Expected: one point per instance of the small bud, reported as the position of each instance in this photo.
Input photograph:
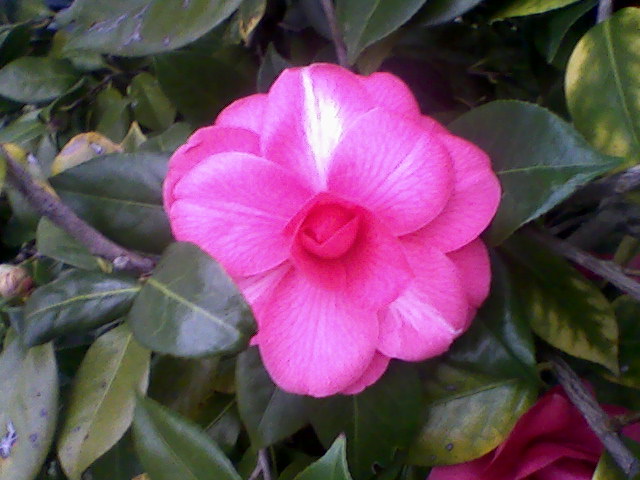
(14, 281)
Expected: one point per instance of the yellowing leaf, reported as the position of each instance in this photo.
(81, 148)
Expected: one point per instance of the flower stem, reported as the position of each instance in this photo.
(50, 206)
(338, 42)
(601, 424)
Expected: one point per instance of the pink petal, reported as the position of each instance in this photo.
(202, 144)
(539, 457)
(312, 341)
(433, 126)
(235, 207)
(430, 313)
(565, 469)
(474, 201)
(392, 94)
(473, 470)
(371, 274)
(472, 262)
(390, 166)
(247, 112)
(308, 111)
(372, 374)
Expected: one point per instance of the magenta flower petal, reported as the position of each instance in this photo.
(392, 94)
(235, 207)
(430, 313)
(309, 110)
(371, 375)
(201, 145)
(313, 341)
(474, 267)
(390, 166)
(474, 201)
(247, 113)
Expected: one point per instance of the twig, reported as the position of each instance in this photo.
(608, 270)
(621, 421)
(597, 419)
(51, 207)
(605, 9)
(262, 467)
(336, 35)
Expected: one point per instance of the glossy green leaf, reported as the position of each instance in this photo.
(141, 27)
(133, 139)
(100, 410)
(521, 8)
(364, 22)
(78, 300)
(200, 84)
(190, 307)
(372, 422)
(436, 12)
(332, 465)
(55, 243)
(249, 15)
(110, 114)
(23, 129)
(628, 312)
(170, 447)
(151, 108)
(269, 413)
(480, 388)
(529, 145)
(36, 79)
(602, 85)
(272, 65)
(28, 405)
(120, 195)
(565, 309)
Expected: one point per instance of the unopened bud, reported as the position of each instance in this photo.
(14, 281)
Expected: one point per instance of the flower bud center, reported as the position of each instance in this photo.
(329, 230)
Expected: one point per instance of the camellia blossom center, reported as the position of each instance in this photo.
(329, 230)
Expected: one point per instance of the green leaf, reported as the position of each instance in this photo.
(110, 115)
(121, 195)
(133, 139)
(100, 410)
(151, 108)
(29, 404)
(566, 309)
(121, 462)
(170, 447)
(53, 242)
(364, 22)
(603, 86)
(272, 65)
(190, 307)
(133, 28)
(552, 30)
(436, 12)
(627, 312)
(36, 79)
(249, 15)
(269, 413)
(3, 172)
(480, 388)
(521, 8)
(14, 42)
(169, 140)
(23, 130)
(529, 145)
(332, 465)
(377, 422)
(78, 300)
(200, 85)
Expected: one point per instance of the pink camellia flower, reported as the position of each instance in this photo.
(349, 220)
(552, 441)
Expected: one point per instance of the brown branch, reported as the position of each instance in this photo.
(262, 467)
(50, 206)
(610, 271)
(336, 35)
(598, 420)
